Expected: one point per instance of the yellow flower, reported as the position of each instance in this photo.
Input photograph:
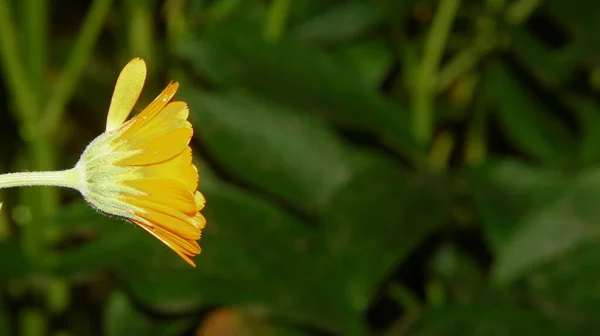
(142, 169)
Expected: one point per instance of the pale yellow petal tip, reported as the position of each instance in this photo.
(127, 90)
(0, 206)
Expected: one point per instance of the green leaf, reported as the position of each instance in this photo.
(371, 60)
(376, 220)
(107, 241)
(566, 289)
(505, 192)
(550, 67)
(80, 217)
(299, 76)
(119, 246)
(489, 318)
(579, 23)
(553, 229)
(341, 23)
(462, 278)
(287, 154)
(122, 318)
(524, 120)
(588, 113)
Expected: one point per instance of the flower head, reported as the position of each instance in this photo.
(142, 169)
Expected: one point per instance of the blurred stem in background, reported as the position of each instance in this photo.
(140, 29)
(27, 102)
(486, 40)
(220, 11)
(521, 10)
(475, 146)
(276, 21)
(17, 83)
(35, 22)
(175, 21)
(39, 126)
(80, 55)
(175, 28)
(441, 151)
(410, 303)
(430, 79)
(4, 226)
(425, 86)
(25, 66)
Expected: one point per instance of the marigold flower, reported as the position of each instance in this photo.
(142, 169)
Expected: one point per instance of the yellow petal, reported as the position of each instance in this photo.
(158, 147)
(127, 90)
(199, 221)
(175, 109)
(165, 191)
(179, 168)
(200, 200)
(169, 219)
(153, 109)
(183, 247)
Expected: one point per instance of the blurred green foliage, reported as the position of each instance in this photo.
(371, 167)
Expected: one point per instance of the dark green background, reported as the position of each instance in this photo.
(371, 167)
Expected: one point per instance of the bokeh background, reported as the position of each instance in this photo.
(371, 167)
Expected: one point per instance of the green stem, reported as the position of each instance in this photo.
(411, 305)
(67, 81)
(140, 29)
(441, 152)
(277, 18)
(27, 102)
(42, 157)
(402, 326)
(521, 10)
(175, 21)
(435, 293)
(495, 5)
(404, 297)
(16, 78)
(4, 226)
(425, 86)
(220, 11)
(33, 322)
(462, 63)
(36, 29)
(475, 145)
(65, 178)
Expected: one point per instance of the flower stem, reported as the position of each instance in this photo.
(64, 178)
